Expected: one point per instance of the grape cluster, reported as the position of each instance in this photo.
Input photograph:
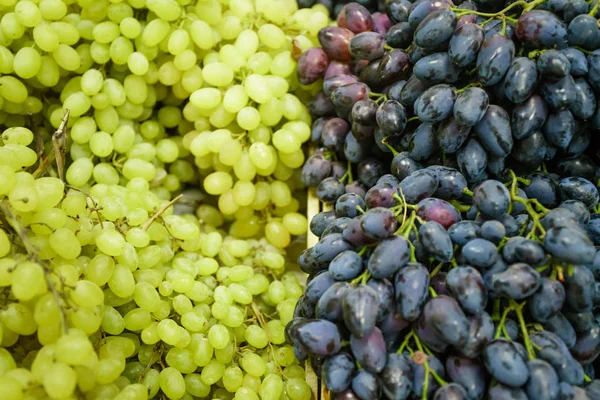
(98, 304)
(177, 93)
(426, 289)
(481, 87)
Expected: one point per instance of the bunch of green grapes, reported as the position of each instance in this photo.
(177, 93)
(111, 295)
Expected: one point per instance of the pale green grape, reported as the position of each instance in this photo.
(27, 62)
(59, 380)
(201, 35)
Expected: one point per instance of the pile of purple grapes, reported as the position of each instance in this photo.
(457, 147)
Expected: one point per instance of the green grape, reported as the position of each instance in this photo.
(297, 389)
(233, 378)
(252, 382)
(253, 364)
(59, 380)
(172, 383)
(212, 372)
(271, 387)
(28, 281)
(195, 387)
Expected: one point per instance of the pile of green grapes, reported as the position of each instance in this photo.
(148, 197)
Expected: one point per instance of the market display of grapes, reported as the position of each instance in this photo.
(155, 158)
(456, 146)
(150, 198)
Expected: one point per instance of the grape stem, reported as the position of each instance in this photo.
(470, 85)
(518, 309)
(21, 232)
(527, 7)
(467, 192)
(95, 205)
(386, 144)
(39, 140)
(59, 144)
(160, 211)
(159, 349)
(501, 327)
(432, 292)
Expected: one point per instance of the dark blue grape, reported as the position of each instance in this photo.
(553, 64)
(583, 31)
(427, 335)
(334, 82)
(346, 266)
(593, 389)
(505, 363)
(385, 296)
(579, 143)
(567, 392)
(435, 29)
(398, 10)
(319, 337)
(337, 372)
(480, 253)
(381, 195)
(517, 282)
(552, 349)
(494, 59)
(436, 103)
(561, 327)
(329, 190)
(577, 60)
(391, 117)
(412, 290)
(336, 226)
(463, 232)
(451, 182)
(530, 252)
(576, 188)
(469, 373)
(492, 198)
(436, 68)
(451, 391)
(354, 234)
(494, 131)
(394, 66)
(578, 208)
(580, 289)
(379, 223)
(328, 247)
(465, 44)
(451, 135)
(581, 322)
(397, 377)
(423, 143)
(547, 301)
(559, 128)
(569, 245)
(541, 29)
(366, 46)
(447, 320)
(354, 150)
(329, 306)
(494, 231)
(587, 346)
(573, 8)
(528, 117)
(360, 310)
(366, 385)
(436, 241)
(418, 186)
(412, 90)
(344, 97)
(320, 221)
(317, 286)
(559, 94)
(363, 112)
(470, 106)
(370, 351)
(348, 204)
(593, 76)
(399, 36)
(315, 169)
(420, 10)
(369, 170)
(466, 285)
(559, 217)
(403, 165)
(520, 79)
(388, 257)
(472, 160)
(394, 90)
(543, 381)
(530, 150)
(502, 392)
(543, 188)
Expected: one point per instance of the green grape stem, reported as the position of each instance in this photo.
(21, 232)
(386, 144)
(159, 212)
(470, 85)
(59, 144)
(518, 309)
(467, 191)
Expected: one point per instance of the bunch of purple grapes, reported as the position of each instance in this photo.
(425, 289)
(481, 87)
